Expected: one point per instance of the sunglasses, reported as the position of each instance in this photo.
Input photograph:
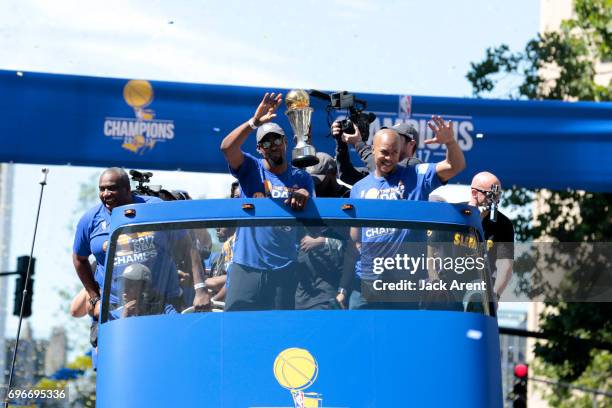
(266, 144)
(488, 193)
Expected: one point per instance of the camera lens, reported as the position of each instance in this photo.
(347, 127)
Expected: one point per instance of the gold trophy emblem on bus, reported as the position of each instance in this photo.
(296, 369)
(299, 114)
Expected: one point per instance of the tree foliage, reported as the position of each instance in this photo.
(561, 65)
(554, 65)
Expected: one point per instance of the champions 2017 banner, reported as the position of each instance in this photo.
(134, 123)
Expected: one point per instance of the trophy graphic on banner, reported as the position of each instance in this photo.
(299, 114)
(296, 369)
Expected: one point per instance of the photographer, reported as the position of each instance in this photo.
(409, 140)
(499, 232)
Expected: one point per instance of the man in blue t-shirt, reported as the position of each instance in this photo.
(391, 181)
(262, 273)
(151, 249)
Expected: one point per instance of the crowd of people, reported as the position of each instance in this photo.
(263, 268)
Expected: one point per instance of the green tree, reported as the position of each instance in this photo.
(561, 65)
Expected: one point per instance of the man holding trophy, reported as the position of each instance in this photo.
(262, 274)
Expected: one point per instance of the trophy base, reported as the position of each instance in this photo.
(304, 156)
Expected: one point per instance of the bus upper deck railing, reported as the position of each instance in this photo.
(380, 255)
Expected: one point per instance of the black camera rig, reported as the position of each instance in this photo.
(142, 178)
(356, 107)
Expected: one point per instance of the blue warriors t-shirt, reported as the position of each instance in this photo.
(92, 237)
(405, 183)
(268, 247)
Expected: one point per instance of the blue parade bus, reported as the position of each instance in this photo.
(429, 337)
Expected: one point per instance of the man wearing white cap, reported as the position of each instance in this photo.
(262, 275)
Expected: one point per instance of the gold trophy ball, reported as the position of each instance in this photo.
(295, 369)
(297, 98)
(138, 93)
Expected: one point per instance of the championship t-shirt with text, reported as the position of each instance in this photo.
(379, 243)
(268, 247)
(151, 249)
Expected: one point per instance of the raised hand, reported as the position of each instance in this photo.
(267, 107)
(443, 131)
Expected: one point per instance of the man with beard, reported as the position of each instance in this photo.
(262, 274)
(499, 234)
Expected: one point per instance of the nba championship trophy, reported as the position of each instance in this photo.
(299, 113)
(296, 369)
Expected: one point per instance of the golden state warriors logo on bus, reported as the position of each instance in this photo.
(142, 132)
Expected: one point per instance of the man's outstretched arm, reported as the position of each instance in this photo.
(231, 146)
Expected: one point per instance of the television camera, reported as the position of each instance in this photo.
(356, 111)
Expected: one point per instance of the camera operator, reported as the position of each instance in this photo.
(499, 232)
(409, 140)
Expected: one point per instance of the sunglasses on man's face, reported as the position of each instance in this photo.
(266, 144)
(488, 193)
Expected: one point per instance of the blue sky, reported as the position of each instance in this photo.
(397, 47)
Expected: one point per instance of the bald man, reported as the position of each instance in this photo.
(391, 181)
(499, 234)
(409, 141)
(92, 237)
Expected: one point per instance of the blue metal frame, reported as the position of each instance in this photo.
(364, 358)
(422, 213)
